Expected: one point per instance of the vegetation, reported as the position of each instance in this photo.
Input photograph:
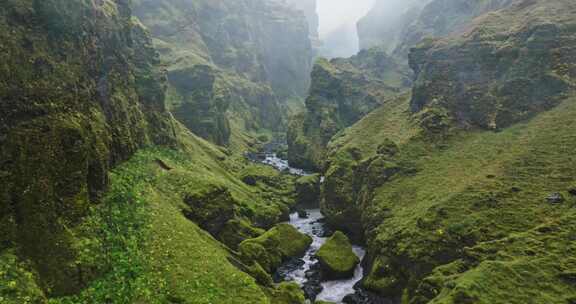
(274, 247)
(336, 257)
(341, 93)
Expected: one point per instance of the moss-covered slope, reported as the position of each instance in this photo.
(468, 215)
(143, 238)
(230, 62)
(79, 92)
(507, 66)
(82, 91)
(342, 92)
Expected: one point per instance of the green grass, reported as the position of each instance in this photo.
(147, 251)
(471, 189)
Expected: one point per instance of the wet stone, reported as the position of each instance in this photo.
(555, 198)
(282, 272)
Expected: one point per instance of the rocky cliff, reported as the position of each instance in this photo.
(342, 92)
(400, 25)
(80, 92)
(309, 7)
(385, 23)
(230, 61)
(505, 67)
(452, 211)
(105, 198)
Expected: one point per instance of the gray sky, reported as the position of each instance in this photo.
(336, 13)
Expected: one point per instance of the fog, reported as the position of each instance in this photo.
(338, 25)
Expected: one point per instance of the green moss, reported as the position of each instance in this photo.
(275, 246)
(336, 257)
(288, 293)
(342, 92)
(67, 120)
(468, 189)
(18, 282)
(308, 190)
(158, 254)
(235, 231)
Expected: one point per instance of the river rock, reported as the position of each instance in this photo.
(313, 285)
(287, 268)
(336, 257)
(303, 214)
(555, 198)
(278, 244)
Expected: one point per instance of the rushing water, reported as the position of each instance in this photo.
(333, 291)
(272, 160)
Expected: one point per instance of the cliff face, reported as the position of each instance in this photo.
(401, 25)
(451, 210)
(309, 7)
(79, 92)
(342, 92)
(238, 60)
(504, 68)
(385, 23)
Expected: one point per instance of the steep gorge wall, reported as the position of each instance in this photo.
(80, 91)
(451, 210)
(341, 93)
(230, 60)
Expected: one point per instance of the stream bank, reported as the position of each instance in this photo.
(306, 270)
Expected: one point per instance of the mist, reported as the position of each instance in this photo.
(338, 25)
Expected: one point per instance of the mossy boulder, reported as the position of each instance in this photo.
(211, 207)
(252, 175)
(287, 293)
(336, 257)
(237, 230)
(275, 246)
(308, 190)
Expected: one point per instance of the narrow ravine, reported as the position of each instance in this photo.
(332, 291)
(302, 270)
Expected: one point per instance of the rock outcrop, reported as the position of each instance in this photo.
(385, 23)
(336, 257)
(80, 91)
(230, 61)
(505, 67)
(342, 92)
(308, 191)
(275, 246)
(452, 211)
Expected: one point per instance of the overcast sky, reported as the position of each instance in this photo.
(335, 13)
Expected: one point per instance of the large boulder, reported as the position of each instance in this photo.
(308, 190)
(210, 207)
(288, 293)
(337, 258)
(275, 246)
(236, 230)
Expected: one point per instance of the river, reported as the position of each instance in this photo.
(313, 225)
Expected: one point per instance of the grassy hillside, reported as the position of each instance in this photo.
(463, 209)
(140, 247)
